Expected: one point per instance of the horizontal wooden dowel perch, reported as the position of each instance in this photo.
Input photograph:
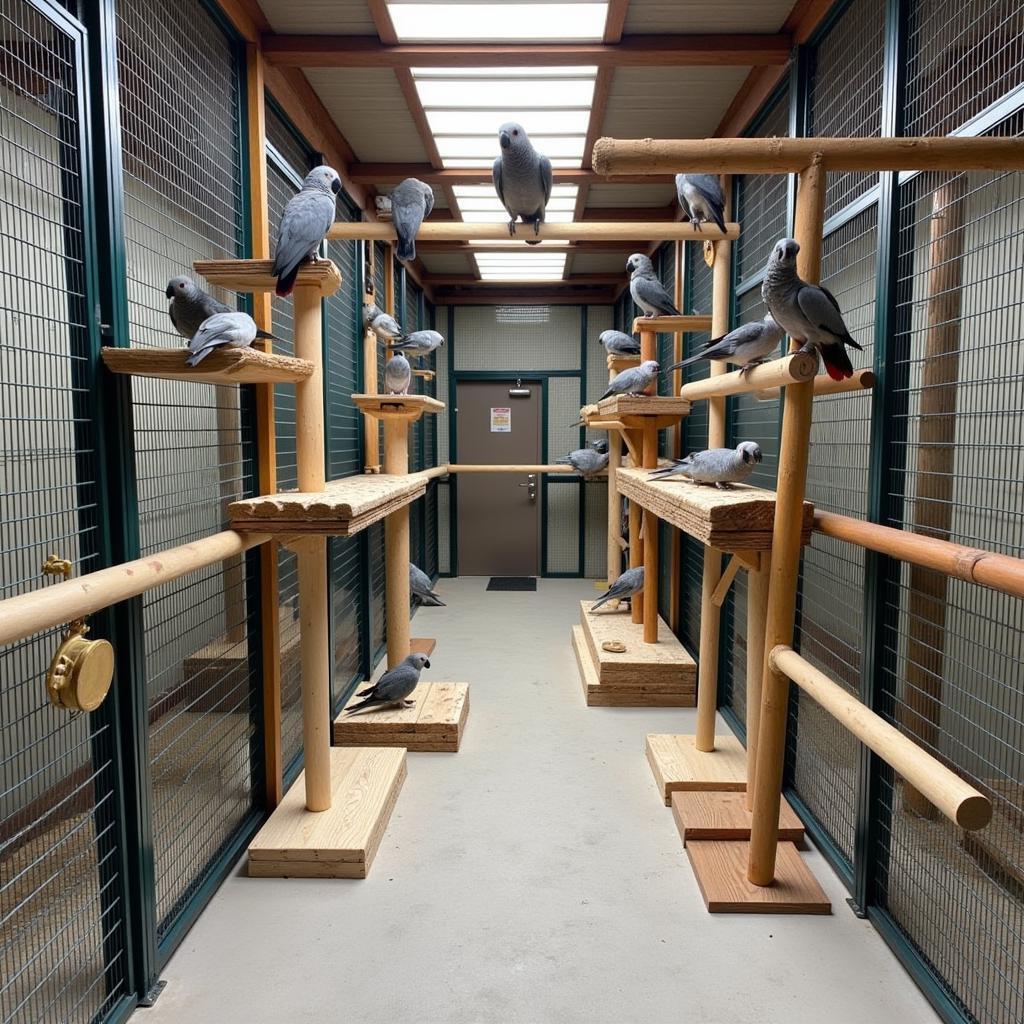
(63, 602)
(791, 369)
(784, 156)
(435, 471)
(955, 798)
(986, 568)
(466, 468)
(567, 231)
(862, 380)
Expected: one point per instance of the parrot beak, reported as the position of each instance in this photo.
(335, 186)
(757, 455)
(505, 139)
(170, 292)
(426, 664)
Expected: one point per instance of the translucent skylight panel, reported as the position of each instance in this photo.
(498, 22)
(495, 93)
(584, 71)
(485, 148)
(487, 191)
(476, 159)
(487, 122)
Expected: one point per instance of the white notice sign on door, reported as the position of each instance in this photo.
(501, 420)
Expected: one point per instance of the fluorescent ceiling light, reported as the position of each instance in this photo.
(483, 147)
(487, 122)
(495, 93)
(487, 191)
(498, 21)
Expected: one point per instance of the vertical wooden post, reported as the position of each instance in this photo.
(614, 552)
(710, 613)
(676, 443)
(649, 350)
(757, 613)
(266, 442)
(785, 568)
(371, 428)
(396, 545)
(312, 555)
(636, 557)
(933, 508)
(650, 597)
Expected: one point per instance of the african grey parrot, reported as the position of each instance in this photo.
(397, 375)
(646, 289)
(629, 583)
(419, 343)
(633, 381)
(617, 343)
(420, 590)
(807, 312)
(700, 196)
(718, 466)
(411, 202)
(522, 179)
(370, 313)
(386, 327)
(586, 461)
(600, 445)
(749, 345)
(190, 306)
(304, 223)
(234, 329)
(394, 687)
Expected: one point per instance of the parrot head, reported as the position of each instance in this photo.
(750, 452)
(639, 262)
(512, 136)
(785, 251)
(600, 446)
(649, 367)
(180, 287)
(419, 660)
(324, 179)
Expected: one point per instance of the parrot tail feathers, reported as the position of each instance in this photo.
(837, 362)
(197, 357)
(532, 241)
(286, 283)
(359, 707)
(406, 249)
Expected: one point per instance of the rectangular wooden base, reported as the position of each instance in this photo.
(633, 695)
(434, 723)
(678, 765)
(422, 644)
(340, 842)
(721, 872)
(703, 815)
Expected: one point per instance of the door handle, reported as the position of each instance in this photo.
(531, 484)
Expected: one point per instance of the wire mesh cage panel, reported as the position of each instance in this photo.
(193, 443)
(563, 528)
(347, 611)
(517, 337)
(378, 620)
(63, 953)
(595, 496)
(845, 92)
(563, 411)
(444, 557)
(344, 341)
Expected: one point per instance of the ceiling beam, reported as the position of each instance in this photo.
(637, 51)
(626, 245)
(615, 20)
(393, 173)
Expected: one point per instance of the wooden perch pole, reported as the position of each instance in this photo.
(794, 368)
(758, 581)
(650, 520)
(396, 544)
(932, 511)
(311, 555)
(710, 613)
(371, 428)
(614, 550)
(785, 568)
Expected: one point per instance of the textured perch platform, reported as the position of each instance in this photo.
(342, 841)
(739, 519)
(251, 276)
(691, 324)
(678, 766)
(434, 723)
(343, 509)
(409, 407)
(703, 814)
(224, 366)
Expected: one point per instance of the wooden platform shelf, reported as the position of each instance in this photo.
(693, 324)
(340, 842)
(702, 815)
(678, 765)
(224, 366)
(409, 407)
(645, 675)
(721, 871)
(739, 519)
(434, 723)
(251, 276)
(638, 410)
(343, 509)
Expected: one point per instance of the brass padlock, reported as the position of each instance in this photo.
(81, 672)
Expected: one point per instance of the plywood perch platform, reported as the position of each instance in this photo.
(342, 841)
(739, 519)
(252, 276)
(223, 366)
(678, 766)
(690, 324)
(620, 406)
(409, 407)
(343, 509)
(703, 814)
(435, 722)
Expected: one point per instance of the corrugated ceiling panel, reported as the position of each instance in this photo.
(629, 195)
(320, 17)
(445, 262)
(599, 263)
(649, 16)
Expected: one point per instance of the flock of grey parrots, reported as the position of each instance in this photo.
(523, 178)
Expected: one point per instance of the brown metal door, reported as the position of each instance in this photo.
(498, 513)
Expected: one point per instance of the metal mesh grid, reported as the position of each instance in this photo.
(595, 497)
(962, 57)
(444, 564)
(346, 614)
(563, 528)
(563, 410)
(59, 883)
(846, 91)
(517, 337)
(183, 201)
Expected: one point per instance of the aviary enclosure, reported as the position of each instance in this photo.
(118, 826)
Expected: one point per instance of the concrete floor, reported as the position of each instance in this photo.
(533, 877)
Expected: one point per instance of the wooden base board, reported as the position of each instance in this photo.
(340, 842)
(641, 664)
(422, 644)
(655, 695)
(703, 815)
(678, 765)
(721, 871)
(434, 723)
